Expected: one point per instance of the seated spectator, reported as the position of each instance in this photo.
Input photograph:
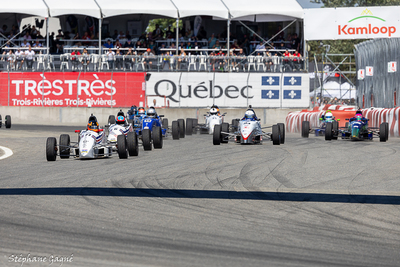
(128, 44)
(25, 43)
(27, 36)
(217, 45)
(75, 58)
(235, 45)
(157, 33)
(77, 37)
(110, 58)
(86, 37)
(121, 35)
(220, 61)
(297, 60)
(108, 44)
(37, 44)
(117, 44)
(3, 30)
(260, 47)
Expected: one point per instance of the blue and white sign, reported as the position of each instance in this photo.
(270, 80)
(270, 94)
(291, 94)
(292, 81)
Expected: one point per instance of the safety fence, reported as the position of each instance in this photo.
(378, 77)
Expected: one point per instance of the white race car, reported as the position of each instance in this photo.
(212, 118)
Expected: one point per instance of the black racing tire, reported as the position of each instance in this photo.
(329, 131)
(182, 129)
(165, 123)
(224, 128)
(64, 146)
(1, 122)
(217, 134)
(276, 137)
(382, 132)
(305, 129)
(8, 121)
(146, 139)
(387, 130)
(111, 119)
(282, 131)
(132, 144)
(346, 125)
(189, 126)
(335, 125)
(235, 123)
(175, 130)
(122, 147)
(51, 149)
(157, 138)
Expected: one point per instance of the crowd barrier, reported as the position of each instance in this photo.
(375, 115)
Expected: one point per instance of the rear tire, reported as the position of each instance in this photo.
(305, 129)
(111, 119)
(217, 134)
(157, 138)
(189, 126)
(276, 138)
(224, 128)
(387, 130)
(328, 131)
(64, 146)
(1, 122)
(8, 121)
(51, 149)
(346, 125)
(282, 131)
(182, 129)
(132, 143)
(335, 126)
(146, 138)
(175, 130)
(121, 145)
(382, 132)
(165, 124)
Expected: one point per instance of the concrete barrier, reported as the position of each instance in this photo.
(79, 116)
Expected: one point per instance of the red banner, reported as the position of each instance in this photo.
(72, 89)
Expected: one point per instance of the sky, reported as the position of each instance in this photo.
(308, 4)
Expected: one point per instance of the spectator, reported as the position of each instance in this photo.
(108, 44)
(20, 56)
(296, 42)
(25, 43)
(60, 35)
(268, 61)
(148, 57)
(297, 60)
(29, 54)
(260, 47)
(128, 44)
(75, 55)
(121, 35)
(169, 34)
(241, 60)
(86, 37)
(37, 44)
(129, 58)
(10, 58)
(157, 33)
(211, 41)
(217, 45)
(39, 36)
(117, 44)
(220, 62)
(110, 58)
(118, 60)
(182, 59)
(128, 36)
(27, 36)
(3, 30)
(34, 32)
(77, 37)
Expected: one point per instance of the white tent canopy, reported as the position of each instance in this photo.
(261, 10)
(30, 7)
(334, 89)
(124, 7)
(202, 8)
(76, 7)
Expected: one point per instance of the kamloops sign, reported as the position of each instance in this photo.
(351, 23)
(230, 89)
(71, 89)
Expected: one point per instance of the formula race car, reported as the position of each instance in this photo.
(249, 131)
(7, 122)
(213, 117)
(91, 144)
(321, 130)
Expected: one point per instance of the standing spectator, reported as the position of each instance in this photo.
(296, 42)
(85, 59)
(129, 59)
(29, 54)
(10, 59)
(77, 37)
(157, 33)
(181, 59)
(19, 58)
(118, 60)
(148, 56)
(86, 37)
(110, 58)
(211, 41)
(297, 60)
(241, 60)
(75, 55)
(34, 32)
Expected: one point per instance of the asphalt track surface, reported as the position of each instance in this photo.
(308, 202)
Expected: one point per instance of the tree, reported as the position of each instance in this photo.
(352, 3)
(164, 24)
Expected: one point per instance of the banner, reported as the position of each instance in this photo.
(262, 90)
(64, 89)
(351, 23)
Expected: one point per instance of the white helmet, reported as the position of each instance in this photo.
(151, 112)
(249, 114)
(328, 116)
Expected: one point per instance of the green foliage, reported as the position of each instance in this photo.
(352, 3)
(164, 24)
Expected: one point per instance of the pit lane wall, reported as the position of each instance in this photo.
(375, 115)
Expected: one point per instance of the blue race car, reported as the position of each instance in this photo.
(327, 120)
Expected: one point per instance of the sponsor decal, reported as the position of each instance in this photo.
(370, 28)
(392, 66)
(291, 94)
(361, 74)
(369, 71)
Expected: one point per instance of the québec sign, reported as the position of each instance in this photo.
(71, 89)
(352, 23)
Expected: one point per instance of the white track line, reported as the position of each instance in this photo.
(7, 152)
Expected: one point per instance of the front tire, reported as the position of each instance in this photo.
(224, 128)
(121, 144)
(181, 123)
(276, 138)
(328, 131)
(189, 126)
(282, 131)
(382, 132)
(335, 126)
(64, 146)
(217, 134)
(305, 129)
(165, 123)
(132, 143)
(175, 130)
(8, 121)
(51, 149)
(157, 138)
(111, 119)
(146, 138)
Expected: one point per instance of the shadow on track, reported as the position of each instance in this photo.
(203, 194)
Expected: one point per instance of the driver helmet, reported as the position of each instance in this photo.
(359, 112)
(141, 111)
(151, 112)
(249, 114)
(358, 117)
(93, 125)
(328, 116)
(214, 110)
(120, 118)
(133, 110)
